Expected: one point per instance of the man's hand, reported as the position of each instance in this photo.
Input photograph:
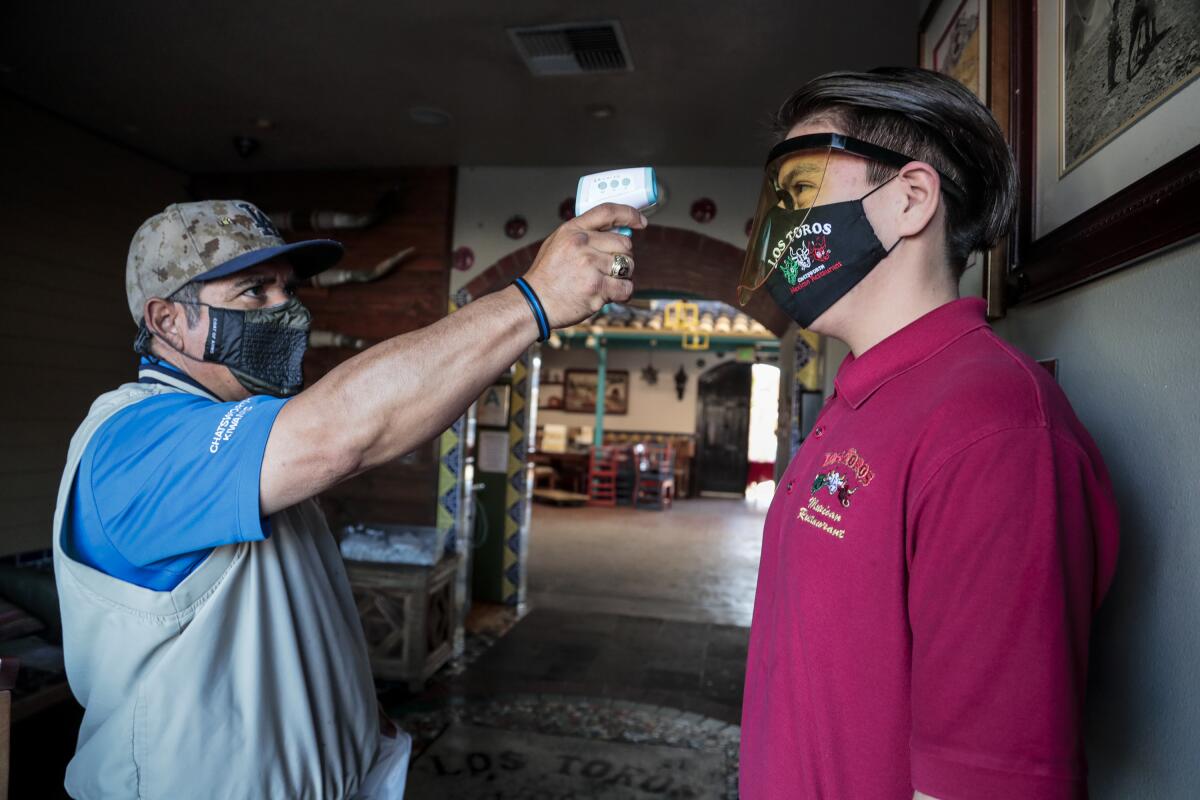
(571, 273)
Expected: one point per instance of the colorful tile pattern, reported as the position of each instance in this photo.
(517, 493)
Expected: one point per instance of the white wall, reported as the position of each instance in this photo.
(651, 408)
(69, 204)
(1129, 359)
(488, 196)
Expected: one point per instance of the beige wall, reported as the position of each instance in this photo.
(69, 204)
(488, 196)
(1129, 359)
(651, 408)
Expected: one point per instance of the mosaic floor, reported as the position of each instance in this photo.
(623, 681)
(552, 747)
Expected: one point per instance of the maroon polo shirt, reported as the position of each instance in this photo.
(930, 566)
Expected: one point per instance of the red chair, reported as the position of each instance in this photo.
(602, 476)
(655, 486)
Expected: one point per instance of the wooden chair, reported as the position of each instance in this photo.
(655, 487)
(602, 476)
(545, 477)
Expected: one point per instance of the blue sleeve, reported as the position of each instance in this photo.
(173, 475)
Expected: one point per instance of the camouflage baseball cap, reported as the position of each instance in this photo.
(210, 239)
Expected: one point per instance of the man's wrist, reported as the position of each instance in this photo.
(540, 318)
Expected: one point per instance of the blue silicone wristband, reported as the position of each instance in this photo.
(535, 305)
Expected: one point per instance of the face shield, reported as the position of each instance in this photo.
(782, 235)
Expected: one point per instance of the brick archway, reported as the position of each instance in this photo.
(668, 260)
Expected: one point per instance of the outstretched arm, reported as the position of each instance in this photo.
(388, 399)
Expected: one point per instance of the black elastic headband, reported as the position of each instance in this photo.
(848, 144)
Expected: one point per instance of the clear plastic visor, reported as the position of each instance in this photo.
(792, 186)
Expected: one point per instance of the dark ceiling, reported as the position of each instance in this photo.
(179, 81)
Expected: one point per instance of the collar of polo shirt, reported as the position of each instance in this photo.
(859, 378)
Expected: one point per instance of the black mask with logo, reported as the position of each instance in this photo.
(826, 251)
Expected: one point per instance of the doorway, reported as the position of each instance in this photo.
(723, 429)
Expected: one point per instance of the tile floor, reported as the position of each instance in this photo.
(623, 680)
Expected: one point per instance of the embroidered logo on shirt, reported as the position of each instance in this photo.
(853, 476)
(835, 483)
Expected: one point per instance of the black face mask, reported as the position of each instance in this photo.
(263, 348)
(826, 252)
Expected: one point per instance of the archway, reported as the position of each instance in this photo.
(672, 260)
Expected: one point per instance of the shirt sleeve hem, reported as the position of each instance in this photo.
(944, 778)
(252, 526)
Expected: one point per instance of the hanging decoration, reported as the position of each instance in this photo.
(704, 210)
(566, 209)
(516, 227)
(684, 316)
(680, 382)
(649, 373)
(463, 258)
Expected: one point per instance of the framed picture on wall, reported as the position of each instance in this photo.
(969, 41)
(954, 42)
(550, 396)
(491, 409)
(580, 395)
(1108, 113)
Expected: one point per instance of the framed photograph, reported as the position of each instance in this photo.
(1107, 106)
(550, 395)
(552, 375)
(581, 391)
(954, 42)
(969, 41)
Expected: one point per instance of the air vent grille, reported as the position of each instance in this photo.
(572, 49)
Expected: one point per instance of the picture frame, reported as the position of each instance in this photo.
(551, 396)
(580, 391)
(491, 409)
(954, 42)
(1096, 199)
(970, 40)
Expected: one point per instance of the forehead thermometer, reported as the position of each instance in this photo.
(635, 186)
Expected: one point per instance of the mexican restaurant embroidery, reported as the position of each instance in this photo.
(837, 483)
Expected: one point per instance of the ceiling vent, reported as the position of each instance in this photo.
(573, 49)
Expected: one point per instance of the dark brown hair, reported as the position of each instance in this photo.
(928, 117)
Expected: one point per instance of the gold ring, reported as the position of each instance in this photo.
(622, 266)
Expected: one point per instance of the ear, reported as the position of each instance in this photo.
(922, 197)
(164, 319)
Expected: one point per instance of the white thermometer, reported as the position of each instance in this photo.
(635, 186)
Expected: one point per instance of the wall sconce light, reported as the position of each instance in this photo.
(680, 382)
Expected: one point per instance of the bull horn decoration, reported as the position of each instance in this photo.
(336, 277)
